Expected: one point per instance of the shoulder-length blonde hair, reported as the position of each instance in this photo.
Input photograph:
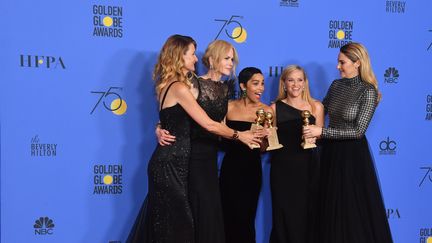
(282, 94)
(170, 61)
(217, 50)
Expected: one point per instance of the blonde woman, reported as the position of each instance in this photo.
(352, 209)
(294, 171)
(166, 214)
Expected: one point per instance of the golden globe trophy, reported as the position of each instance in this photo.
(259, 123)
(305, 144)
(273, 140)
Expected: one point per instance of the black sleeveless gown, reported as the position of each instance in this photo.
(294, 178)
(240, 184)
(204, 194)
(166, 216)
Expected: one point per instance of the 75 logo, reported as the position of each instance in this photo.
(427, 175)
(238, 33)
(117, 106)
(430, 45)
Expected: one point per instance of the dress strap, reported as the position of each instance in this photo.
(166, 91)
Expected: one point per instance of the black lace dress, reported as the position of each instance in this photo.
(294, 177)
(204, 192)
(240, 184)
(352, 208)
(166, 216)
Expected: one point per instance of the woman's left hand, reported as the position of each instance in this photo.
(312, 131)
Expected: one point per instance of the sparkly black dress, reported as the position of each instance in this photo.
(294, 176)
(166, 216)
(204, 192)
(351, 205)
(240, 184)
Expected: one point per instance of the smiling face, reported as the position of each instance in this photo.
(254, 87)
(346, 67)
(295, 84)
(189, 59)
(226, 63)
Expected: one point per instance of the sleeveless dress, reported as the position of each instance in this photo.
(240, 184)
(204, 194)
(166, 216)
(352, 209)
(294, 175)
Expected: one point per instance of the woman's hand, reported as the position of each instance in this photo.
(312, 131)
(164, 137)
(251, 137)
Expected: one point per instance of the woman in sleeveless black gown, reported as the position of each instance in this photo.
(352, 209)
(294, 173)
(166, 215)
(241, 175)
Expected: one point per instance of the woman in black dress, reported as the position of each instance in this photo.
(294, 171)
(212, 95)
(351, 205)
(240, 175)
(166, 215)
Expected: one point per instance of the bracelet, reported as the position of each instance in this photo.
(235, 135)
(158, 125)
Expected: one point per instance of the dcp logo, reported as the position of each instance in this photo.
(387, 147)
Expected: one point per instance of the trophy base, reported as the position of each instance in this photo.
(274, 147)
(308, 145)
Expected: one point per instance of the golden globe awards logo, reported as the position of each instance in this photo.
(38, 149)
(289, 3)
(425, 235)
(395, 7)
(107, 179)
(108, 21)
(428, 108)
(39, 61)
(340, 33)
(44, 226)
(232, 28)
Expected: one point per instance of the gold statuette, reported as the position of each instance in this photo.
(305, 144)
(272, 138)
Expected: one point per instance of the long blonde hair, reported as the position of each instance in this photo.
(217, 50)
(170, 61)
(357, 52)
(282, 94)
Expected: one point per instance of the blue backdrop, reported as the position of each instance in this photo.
(78, 106)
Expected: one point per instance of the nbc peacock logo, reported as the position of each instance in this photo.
(44, 226)
(391, 75)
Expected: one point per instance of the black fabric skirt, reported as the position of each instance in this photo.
(351, 205)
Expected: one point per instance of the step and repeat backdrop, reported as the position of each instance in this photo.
(78, 107)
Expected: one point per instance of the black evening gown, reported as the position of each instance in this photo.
(204, 194)
(294, 176)
(240, 184)
(166, 216)
(351, 205)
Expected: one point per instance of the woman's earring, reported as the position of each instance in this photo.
(284, 88)
(243, 93)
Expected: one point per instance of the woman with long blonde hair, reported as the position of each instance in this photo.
(352, 208)
(166, 214)
(294, 170)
